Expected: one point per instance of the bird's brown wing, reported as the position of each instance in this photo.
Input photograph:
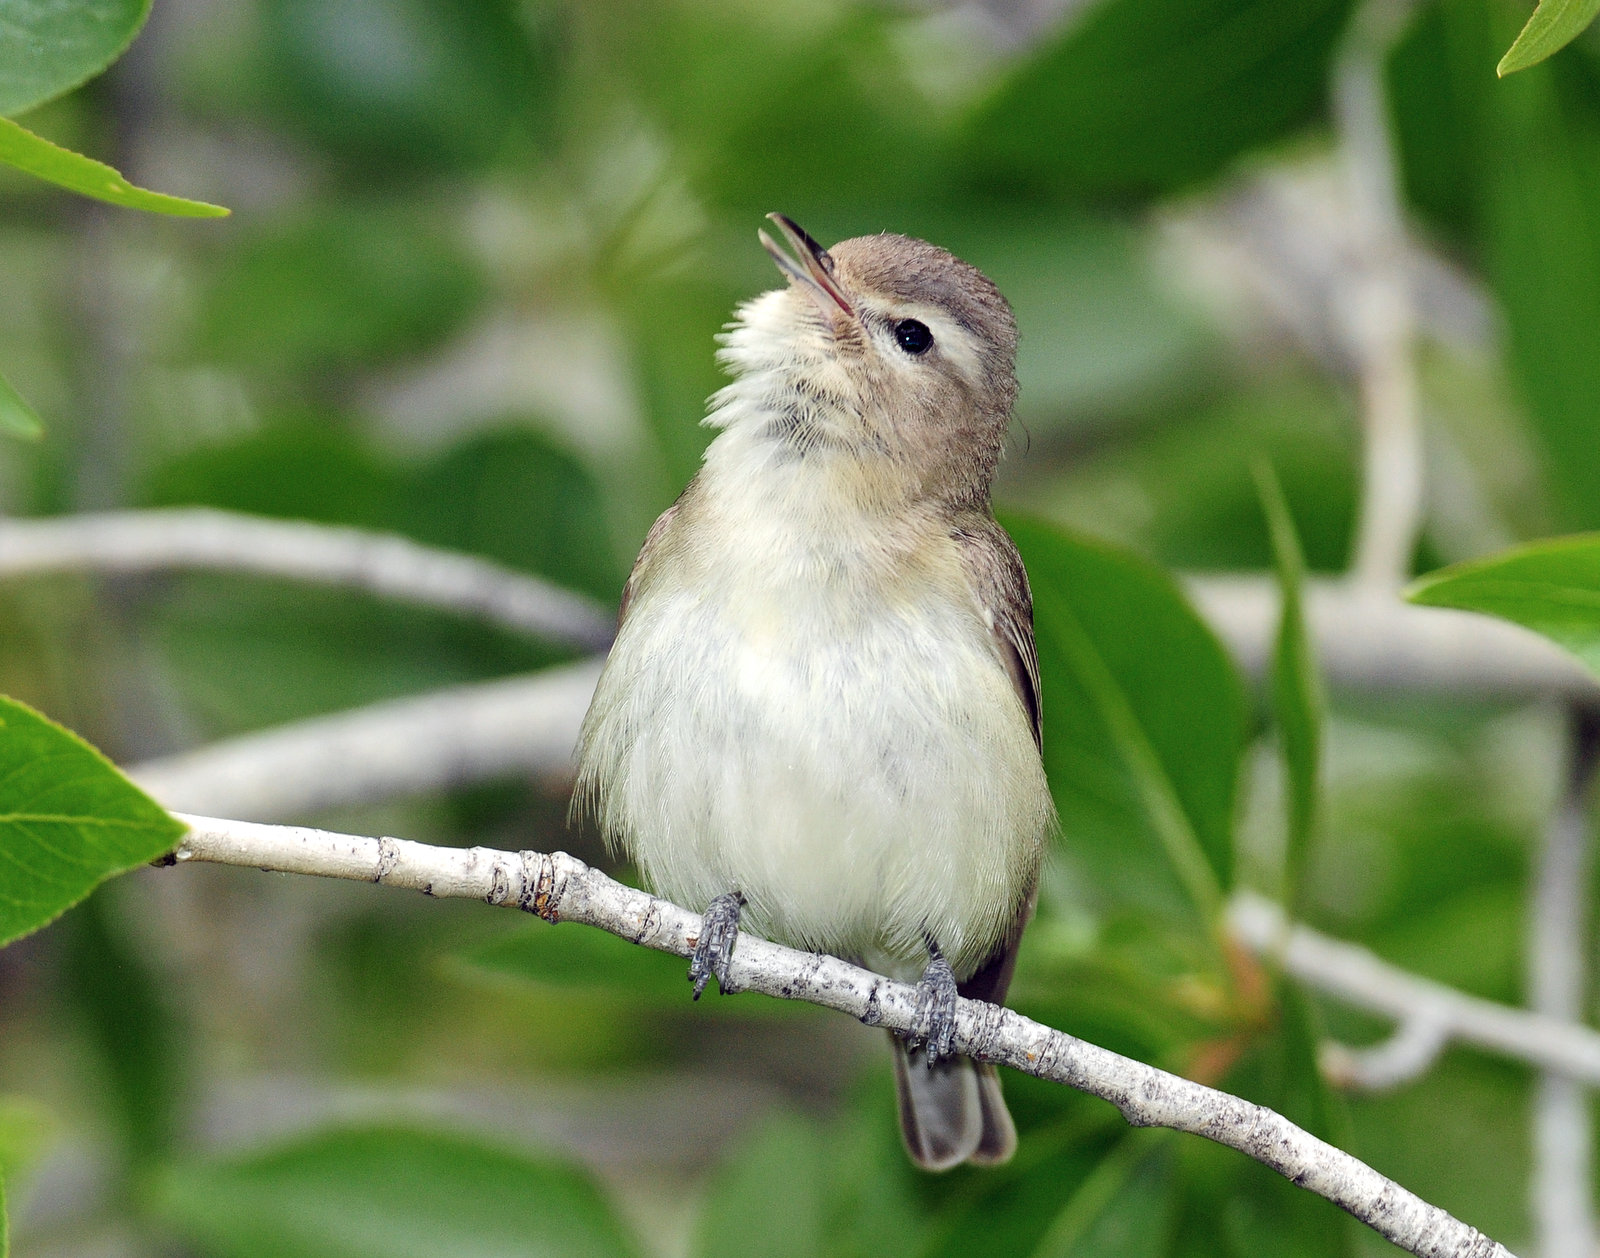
(1001, 584)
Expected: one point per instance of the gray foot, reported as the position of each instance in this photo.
(935, 1031)
(713, 951)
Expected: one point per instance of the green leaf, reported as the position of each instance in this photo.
(1551, 587)
(1554, 25)
(1142, 96)
(1144, 719)
(1296, 687)
(16, 416)
(19, 147)
(391, 1192)
(5, 1223)
(1116, 1192)
(583, 960)
(50, 47)
(68, 821)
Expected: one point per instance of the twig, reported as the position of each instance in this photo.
(1406, 1055)
(1367, 640)
(560, 888)
(1378, 319)
(455, 737)
(381, 563)
(1563, 1136)
(1360, 978)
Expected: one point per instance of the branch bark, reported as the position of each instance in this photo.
(433, 742)
(381, 563)
(1353, 974)
(1558, 928)
(560, 888)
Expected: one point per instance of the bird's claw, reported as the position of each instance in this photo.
(713, 950)
(935, 1030)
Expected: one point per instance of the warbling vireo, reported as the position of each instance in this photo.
(822, 706)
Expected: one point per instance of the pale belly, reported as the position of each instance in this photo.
(868, 780)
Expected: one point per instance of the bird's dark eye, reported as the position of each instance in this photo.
(913, 336)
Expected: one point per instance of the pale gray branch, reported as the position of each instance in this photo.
(380, 563)
(1558, 928)
(1375, 302)
(432, 742)
(1360, 978)
(1406, 1055)
(560, 888)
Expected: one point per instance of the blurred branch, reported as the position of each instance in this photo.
(521, 725)
(1360, 978)
(1406, 1055)
(467, 734)
(381, 563)
(1369, 640)
(1563, 1136)
(1379, 322)
(560, 888)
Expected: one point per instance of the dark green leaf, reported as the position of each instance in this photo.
(391, 1193)
(77, 173)
(68, 821)
(16, 416)
(584, 960)
(1551, 587)
(130, 1023)
(1141, 96)
(50, 47)
(1121, 1208)
(1533, 169)
(1296, 688)
(1144, 718)
(1554, 25)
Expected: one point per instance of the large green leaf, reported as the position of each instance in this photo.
(5, 1222)
(1143, 96)
(68, 820)
(1529, 160)
(48, 47)
(389, 1192)
(1144, 719)
(1296, 688)
(1551, 587)
(19, 147)
(1554, 25)
(16, 416)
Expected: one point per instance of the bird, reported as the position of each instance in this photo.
(820, 717)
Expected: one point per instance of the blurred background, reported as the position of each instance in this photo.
(478, 256)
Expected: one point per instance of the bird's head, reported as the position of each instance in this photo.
(884, 349)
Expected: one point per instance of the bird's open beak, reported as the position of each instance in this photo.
(814, 270)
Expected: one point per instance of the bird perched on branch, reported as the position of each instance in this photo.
(821, 714)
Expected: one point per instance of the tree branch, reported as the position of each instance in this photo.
(560, 888)
(381, 563)
(1360, 978)
(1558, 929)
(1375, 306)
(432, 742)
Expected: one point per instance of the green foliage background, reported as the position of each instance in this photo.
(478, 255)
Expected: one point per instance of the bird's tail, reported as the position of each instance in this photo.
(952, 1113)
